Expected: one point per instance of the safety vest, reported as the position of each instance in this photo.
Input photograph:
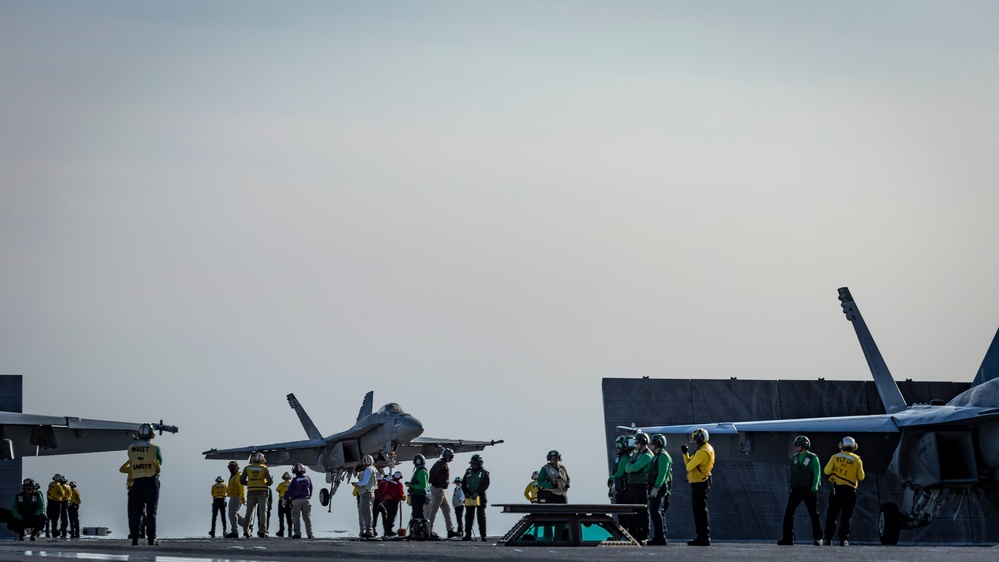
(558, 477)
(656, 467)
(472, 480)
(26, 504)
(804, 471)
(74, 497)
(699, 464)
(845, 469)
(256, 476)
(142, 456)
(218, 490)
(56, 492)
(282, 488)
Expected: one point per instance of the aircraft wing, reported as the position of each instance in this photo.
(306, 452)
(29, 435)
(430, 447)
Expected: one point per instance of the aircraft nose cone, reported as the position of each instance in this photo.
(411, 427)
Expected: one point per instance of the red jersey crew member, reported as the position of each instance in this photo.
(145, 460)
(845, 471)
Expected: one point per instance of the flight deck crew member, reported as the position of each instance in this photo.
(458, 503)
(803, 486)
(27, 510)
(418, 487)
(74, 511)
(300, 492)
(56, 495)
(218, 504)
(699, 467)
(660, 484)
(146, 460)
(236, 495)
(440, 479)
(474, 485)
(553, 480)
(284, 504)
(636, 486)
(845, 471)
(365, 487)
(531, 491)
(378, 506)
(395, 492)
(257, 479)
(67, 493)
(127, 470)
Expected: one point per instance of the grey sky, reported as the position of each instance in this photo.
(478, 210)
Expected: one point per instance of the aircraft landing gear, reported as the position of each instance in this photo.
(889, 524)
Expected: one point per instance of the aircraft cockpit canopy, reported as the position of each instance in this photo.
(391, 408)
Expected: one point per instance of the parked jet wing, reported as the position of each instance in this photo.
(38, 435)
(306, 452)
(430, 447)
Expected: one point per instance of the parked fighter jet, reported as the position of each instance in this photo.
(390, 435)
(939, 452)
(29, 435)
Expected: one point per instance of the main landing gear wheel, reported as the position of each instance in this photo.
(324, 497)
(889, 524)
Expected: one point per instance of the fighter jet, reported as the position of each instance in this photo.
(29, 435)
(390, 435)
(940, 452)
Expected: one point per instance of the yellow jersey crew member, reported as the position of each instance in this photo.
(74, 511)
(236, 494)
(56, 496)
(803, 486)
(145, 460)
(257, 479)
(845, 471)
(284, 504)
(218, 504)
(699, 467)
(531, 491)
(553, 480)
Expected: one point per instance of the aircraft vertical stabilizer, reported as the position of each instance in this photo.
(310, 428)
(366, 405)
(990, 365)
(891, 396)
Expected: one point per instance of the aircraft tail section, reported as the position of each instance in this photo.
(891, 396)
(990, 365)
(310, 428)
(366, 405)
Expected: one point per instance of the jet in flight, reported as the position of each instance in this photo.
(390, 435)
(29, 435)
(940, 452)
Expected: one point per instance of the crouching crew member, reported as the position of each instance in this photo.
(845, 471)
(803, 486)
(660, 484)
(27, 510)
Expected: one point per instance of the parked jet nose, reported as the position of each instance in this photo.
(408, 427)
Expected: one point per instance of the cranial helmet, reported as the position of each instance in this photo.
(368, 460)
(72, 484)
(447, 455)
(56, 477)
(146, 431)
(700, 435)
(219, 479)
(419, 460)
(286, 476)
(457, 479)
(476, 460)
(28, 483)
(624, 442)
(258, 458)
(802, 441)
(641, 437)
(299, 468)
(848, 444)
(534, 475)
(659, 440)
(233, 465)
(397, 475)
(553, 454)
(63, 479)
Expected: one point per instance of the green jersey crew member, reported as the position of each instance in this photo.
(636, 485)
(474, 485)
(660, 484)
(803, 486)
(145, 461)
(553, 480)
(27, 510)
